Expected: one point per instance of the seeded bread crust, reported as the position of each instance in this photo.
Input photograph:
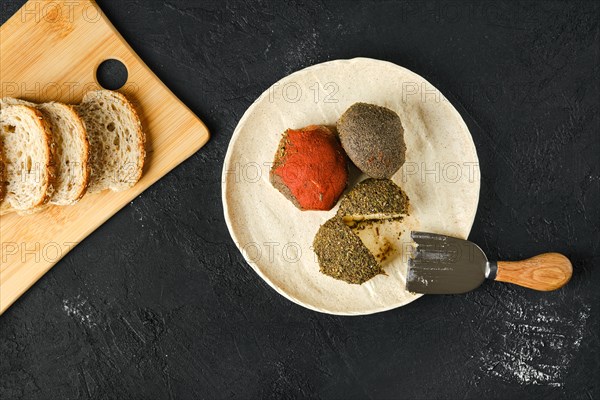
(23, 195)
(70, 151)
(117, 142)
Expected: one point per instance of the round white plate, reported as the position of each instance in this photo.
(440, 176)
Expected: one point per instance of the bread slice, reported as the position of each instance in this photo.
(71, 150)
(2, 177)
(116, 140)
(26, 142)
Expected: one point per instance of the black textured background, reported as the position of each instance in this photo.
(158, 303)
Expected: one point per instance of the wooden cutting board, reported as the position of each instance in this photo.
(50, 50)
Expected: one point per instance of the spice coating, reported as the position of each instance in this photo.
(374, 199)
(342, 255)
(373, 138)
(310, 168)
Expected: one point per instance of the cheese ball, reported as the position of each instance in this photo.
(373, 138)
(342, 255)
(310, 168)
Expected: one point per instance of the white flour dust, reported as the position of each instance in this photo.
(79, 310)
(531, 343)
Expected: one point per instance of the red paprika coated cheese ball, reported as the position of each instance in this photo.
(310, 168)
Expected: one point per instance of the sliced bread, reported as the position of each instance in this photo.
(26, 141)
(2, 177)
(116, 140)
(71, 150)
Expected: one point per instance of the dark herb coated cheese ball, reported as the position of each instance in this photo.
(373, 138)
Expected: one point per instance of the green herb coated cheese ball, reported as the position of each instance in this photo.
(342, 255)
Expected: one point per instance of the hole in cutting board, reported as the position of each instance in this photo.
(112, 74)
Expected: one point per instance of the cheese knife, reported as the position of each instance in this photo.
(447, 265)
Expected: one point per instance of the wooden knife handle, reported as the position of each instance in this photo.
(548, 271)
